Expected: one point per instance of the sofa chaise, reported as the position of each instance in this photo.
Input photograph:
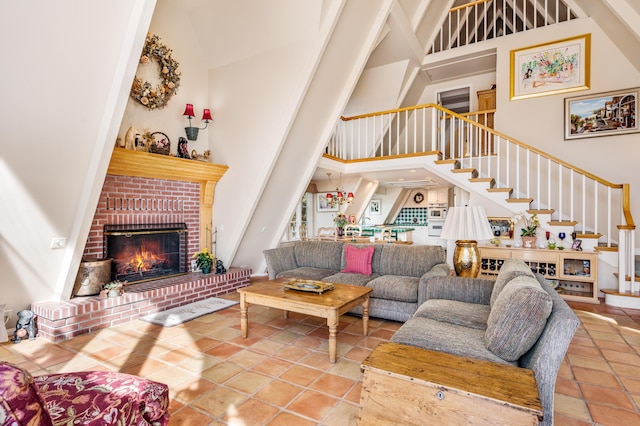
(518, 319)
(397, 273)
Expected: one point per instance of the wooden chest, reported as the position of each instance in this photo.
(413, 386)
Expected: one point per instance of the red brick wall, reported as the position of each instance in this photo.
(127, 200)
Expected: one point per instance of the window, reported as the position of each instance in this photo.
(301, 216)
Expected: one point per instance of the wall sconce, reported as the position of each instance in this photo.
(192, 132)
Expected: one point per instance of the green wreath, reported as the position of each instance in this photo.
(157, 96)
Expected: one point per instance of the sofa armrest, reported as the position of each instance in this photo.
(280, 259)
(469, 290)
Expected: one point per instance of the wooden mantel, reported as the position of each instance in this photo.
(125, 162)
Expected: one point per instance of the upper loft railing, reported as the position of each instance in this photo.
(599, 207)
(487, 19)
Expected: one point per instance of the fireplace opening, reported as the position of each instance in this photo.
(146, 252)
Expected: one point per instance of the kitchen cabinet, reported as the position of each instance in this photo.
(438, 195)
(486, 101)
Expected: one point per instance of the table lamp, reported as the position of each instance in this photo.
(466, 225)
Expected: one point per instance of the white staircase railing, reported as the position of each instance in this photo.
(600, 209)
(483, 20)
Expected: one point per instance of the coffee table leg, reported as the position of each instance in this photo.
(243, 316)
(365, 316)
(332, 322)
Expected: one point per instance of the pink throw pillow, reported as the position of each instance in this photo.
(358, 260)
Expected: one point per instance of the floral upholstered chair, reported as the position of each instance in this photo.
(84, 398)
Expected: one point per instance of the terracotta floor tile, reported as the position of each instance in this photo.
(621, 357)
(613, 397)
(248, 382)
(272, 366)
(317, 360)
(590, 351)
(222, 372)
(601, 378)
(219, 401)
(189, 417)
(358, 354)
(251, 412)
(333, 385)
(292, 353)
(589, 362)
(571, 407)
(190, 390)
(224, 350)
(308, 342)
(247, 358)
(300, 375)
(267, 346)
(279, 393)
(606, 415)
(354, 394)
(563, 420)
(632, 385)
(568, 387)
(342, 414)
(313, 405)
(288, 419)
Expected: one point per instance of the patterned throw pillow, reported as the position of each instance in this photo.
(20, 402)
(358, 260)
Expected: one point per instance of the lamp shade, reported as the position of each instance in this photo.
(206, 115)
(188, 111)
(466, 223)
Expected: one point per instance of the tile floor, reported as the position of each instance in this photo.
(280, 375)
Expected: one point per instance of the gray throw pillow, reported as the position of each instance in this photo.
(510, 269)
(517, 318)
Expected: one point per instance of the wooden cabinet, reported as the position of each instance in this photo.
(406, 385)
(575, 272)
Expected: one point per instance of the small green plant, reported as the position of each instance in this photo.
(531, 224)
(204, 259)
(340, 220)
(114, 285)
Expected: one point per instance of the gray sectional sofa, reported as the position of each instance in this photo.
(518, 319)
(398, 279)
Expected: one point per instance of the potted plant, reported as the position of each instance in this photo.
(340, 221)
(114, 288)
(530, 229)
(204, 260)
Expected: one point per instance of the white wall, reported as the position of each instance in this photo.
(66, 66)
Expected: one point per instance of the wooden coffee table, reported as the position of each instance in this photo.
(330, 304)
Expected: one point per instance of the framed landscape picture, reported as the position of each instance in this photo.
(551, 68)
(324, 205)
(601, 114)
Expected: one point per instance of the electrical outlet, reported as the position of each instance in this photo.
(58, 243)
(7, 315)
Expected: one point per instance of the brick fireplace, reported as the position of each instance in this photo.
(144, 190)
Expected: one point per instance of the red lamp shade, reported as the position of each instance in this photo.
(329, 196)
(350, 195)
(206, 115)
(188, 111)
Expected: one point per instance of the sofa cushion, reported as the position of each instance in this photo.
(306, 273)
(358, 260)
(20, 401)
(442, 336)
(410, 260)
(375, 259)
(454, 312)
(517, 318)
(393, 287)
(319, 254)
(511, 268)
(349, 278)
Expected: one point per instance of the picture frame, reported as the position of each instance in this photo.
(601, 114)
(324, 205)
(577, 245)
(375, 207)
(551, 68)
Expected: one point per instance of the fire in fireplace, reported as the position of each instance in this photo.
(146, 252)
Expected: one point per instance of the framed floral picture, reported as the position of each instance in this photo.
(601, 114)
(324, 205)
(551, 68)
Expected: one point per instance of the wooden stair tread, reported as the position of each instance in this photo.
(488, 179)
(617, 293)
(509, 190)
(562, 222)
(604, 248)
(447, 161)
(588, 236)
(519, 200)
(539, 211)
(464, 170)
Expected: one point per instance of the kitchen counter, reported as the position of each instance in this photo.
(398, 233)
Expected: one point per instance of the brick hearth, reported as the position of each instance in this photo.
(59, 321)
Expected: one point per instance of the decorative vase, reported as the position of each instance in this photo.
(340, 231)
(529, 242)
(206, 269)
(114, 292)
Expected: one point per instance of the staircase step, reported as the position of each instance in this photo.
(538, 211)
(490, 180)
(519, 200)
(562, 223)
(587, 236)
(473, 172)
(605, 248)
(506, 190)
(617, 293)
(447, 161)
